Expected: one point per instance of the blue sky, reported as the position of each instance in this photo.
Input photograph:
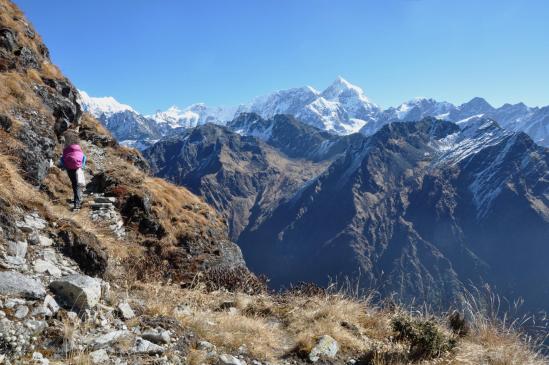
(153, 54)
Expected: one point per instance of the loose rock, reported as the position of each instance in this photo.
(21, 312)
(326, 347)
(126, 312)
(80, 291)
(15, 284)
(143, 346)
(17, 248)
(99, 356)
(108, 339)
(158, 337)
(43, 266)
(226, 359)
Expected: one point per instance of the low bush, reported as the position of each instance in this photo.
(426, 341)
(458, 324)
(235, 280)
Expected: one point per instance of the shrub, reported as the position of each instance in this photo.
(458, 324)
(235, 280)
(426, 341)
(306, 289)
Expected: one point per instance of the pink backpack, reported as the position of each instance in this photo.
(73, 157)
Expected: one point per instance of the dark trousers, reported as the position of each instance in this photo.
(76, 189)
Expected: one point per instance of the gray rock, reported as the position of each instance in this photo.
(45, 241)
(41, 311)
(126, 311)
(79, 291)
(36, 327)
(17, 248)
(14, 262)
(108, 339)
(39, 359)
(43, 266)
(206, 346)
(143, 346)
(50, 255)
(14, 302)
(31, 223)
(51, 304)
(21, 312)
(326, 347)
(226, 359)
(99, 356)
(16, 284)
(157, 337)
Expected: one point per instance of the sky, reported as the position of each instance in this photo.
(154, 54)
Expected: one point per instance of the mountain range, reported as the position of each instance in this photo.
(427, 199)
(423, 209)
(342, 108)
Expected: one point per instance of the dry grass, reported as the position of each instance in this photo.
(274, 326)
(51, 71)
(16, 92)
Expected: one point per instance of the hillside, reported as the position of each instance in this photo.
(145, 272)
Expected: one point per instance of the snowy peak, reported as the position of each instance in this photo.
(476, 106)
(341, 87)
(419, 108)
(342, 108)
(98, 106)
(192, 116)
(288, 101)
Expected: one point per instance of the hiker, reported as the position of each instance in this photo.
(74, 161)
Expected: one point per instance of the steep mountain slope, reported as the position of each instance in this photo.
(420, 209)
(39, 104)
(245, 176)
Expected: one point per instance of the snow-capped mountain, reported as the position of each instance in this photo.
(194, 115)
(97, 106)
(342, 108)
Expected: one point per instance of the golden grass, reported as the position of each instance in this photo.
(51, 71)
(16, 91)
(272, 326)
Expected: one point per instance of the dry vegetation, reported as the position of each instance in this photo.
(272, 327)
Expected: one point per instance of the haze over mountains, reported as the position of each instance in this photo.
(342, 108)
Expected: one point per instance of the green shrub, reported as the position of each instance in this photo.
(426, 341)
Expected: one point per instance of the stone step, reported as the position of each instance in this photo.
(105, 199)
(97, 206)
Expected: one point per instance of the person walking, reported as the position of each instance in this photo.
(74, 161)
